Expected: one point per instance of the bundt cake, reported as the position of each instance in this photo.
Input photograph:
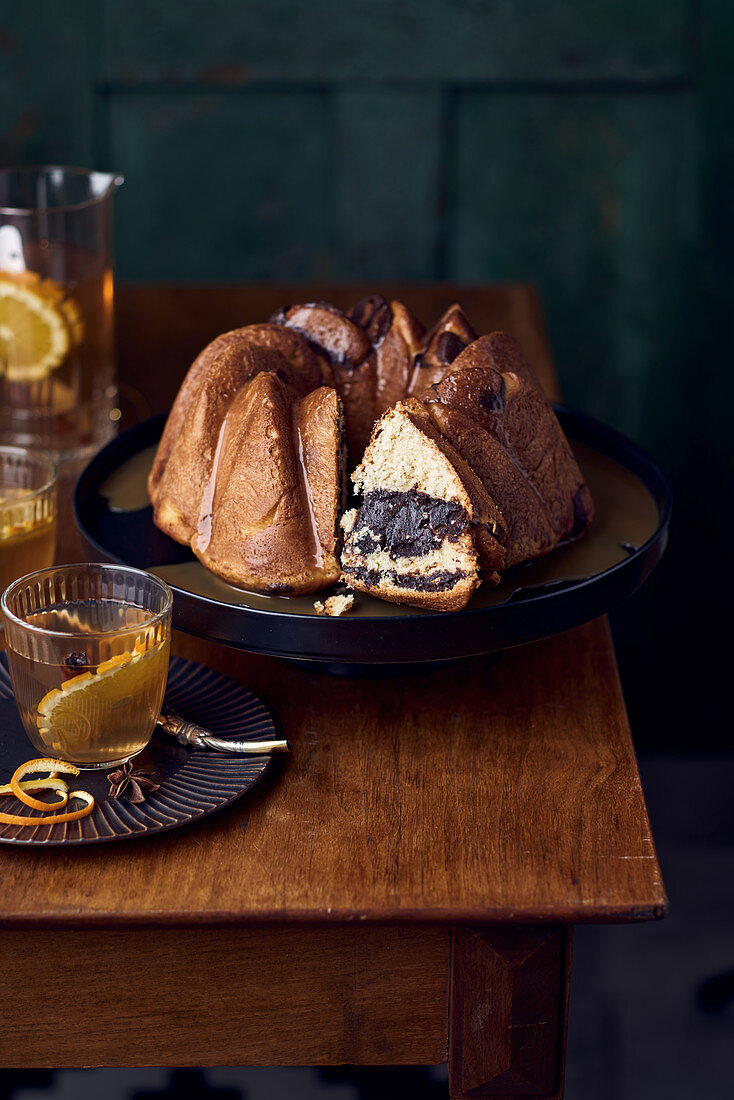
(462, 467)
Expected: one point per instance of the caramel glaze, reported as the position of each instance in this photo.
(626, 515)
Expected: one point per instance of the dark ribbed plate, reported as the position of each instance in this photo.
(193, 783)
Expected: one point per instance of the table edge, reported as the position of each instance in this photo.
(655, 909)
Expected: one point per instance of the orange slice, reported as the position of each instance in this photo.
(38, 325)
(67, 716)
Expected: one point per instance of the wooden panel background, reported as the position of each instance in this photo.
(434, 139)
(584, 145)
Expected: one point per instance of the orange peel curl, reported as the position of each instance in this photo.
(53, 819)
(44, 764)
(51, 783)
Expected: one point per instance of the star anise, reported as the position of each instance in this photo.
(139, 783)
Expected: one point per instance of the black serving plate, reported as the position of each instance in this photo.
(574, 584)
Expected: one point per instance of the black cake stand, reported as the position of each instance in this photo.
(382, 635)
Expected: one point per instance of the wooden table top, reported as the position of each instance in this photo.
(499, 789)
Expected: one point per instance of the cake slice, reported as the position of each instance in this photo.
(426, 531)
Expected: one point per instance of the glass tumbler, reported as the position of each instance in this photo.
(27, 513)
(88, 650)
(58, 389)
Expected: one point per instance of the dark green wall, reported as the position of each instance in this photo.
(586, 145)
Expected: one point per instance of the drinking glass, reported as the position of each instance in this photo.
(27, 513)
(58, 389)
(88, 650)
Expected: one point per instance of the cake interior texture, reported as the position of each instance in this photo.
(411, 540)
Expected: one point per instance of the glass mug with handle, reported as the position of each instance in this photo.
(88, 649)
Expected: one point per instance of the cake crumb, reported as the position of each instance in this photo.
(334, 605)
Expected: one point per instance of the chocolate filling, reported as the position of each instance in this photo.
(439, 581)
(366, 544)
(408, 525)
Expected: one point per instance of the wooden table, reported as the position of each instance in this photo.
(401, 890)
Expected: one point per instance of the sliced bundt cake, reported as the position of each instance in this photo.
(426, 529)
(467, 471)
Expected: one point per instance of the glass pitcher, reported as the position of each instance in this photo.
(58, 390)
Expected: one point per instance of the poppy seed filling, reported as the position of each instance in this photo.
(406, 525)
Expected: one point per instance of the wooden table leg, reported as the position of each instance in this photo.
(509, 1005)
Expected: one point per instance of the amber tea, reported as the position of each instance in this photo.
(27, 513)
(24, 546)
(88, 674)
(92, 708)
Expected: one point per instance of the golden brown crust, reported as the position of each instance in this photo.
(308, 372)
(352, 361)
(454, 599)
(185, 396)
(446, 340)
(492, 385)
(488, 521)
(396, 336)
(261, 533)
(319, 420)
(185, 473)
(529, 528)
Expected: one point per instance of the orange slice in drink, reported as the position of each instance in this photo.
(69, 717)
(38, 325)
